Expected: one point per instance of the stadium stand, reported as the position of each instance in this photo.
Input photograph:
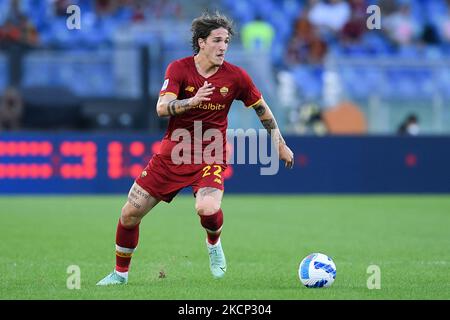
(407, 60)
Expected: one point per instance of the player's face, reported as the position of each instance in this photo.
(216, 45)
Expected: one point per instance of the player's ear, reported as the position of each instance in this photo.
(201, 43)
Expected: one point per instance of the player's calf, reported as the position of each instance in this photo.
(213, 225)
(208, 201)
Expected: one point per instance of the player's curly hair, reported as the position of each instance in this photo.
(203, 25)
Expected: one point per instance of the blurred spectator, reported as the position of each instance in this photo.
(161, 9)
(387, 7)
(139, 8)
(306, 46)
(444, 24)
(410, 126)
(18, 29)
(257, 35)
(356, 26)
(430, 35)
(17, 35)
(400, 26)
(60, 7)
(106, 7)
(329, 15)
(11, 110)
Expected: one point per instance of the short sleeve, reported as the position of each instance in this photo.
(172, 80)
(249, 94)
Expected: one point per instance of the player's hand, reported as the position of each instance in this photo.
(203, 94)
(286, 155)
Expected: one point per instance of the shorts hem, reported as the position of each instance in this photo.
(151, 193)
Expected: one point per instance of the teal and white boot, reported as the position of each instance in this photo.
(217, 262)
(112, 278)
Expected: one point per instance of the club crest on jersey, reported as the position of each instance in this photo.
(143, 174)
(224, 91)
(190, 88)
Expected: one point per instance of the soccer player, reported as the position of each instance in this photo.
(196, 88)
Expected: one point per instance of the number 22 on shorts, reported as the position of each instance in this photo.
(217, 171)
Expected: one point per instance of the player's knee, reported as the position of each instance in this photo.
(130, 216)
(207, 206)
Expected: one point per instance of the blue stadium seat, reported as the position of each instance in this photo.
(243, 12)
(277, 52)
(356, 50)
(417, 11)
(291, 9)
(282, 28)
(309, 81)
(377, 44)
(408, 51)
(228, 3)
(434, 9)
(73, 69)
(352, 81)
(265, 9)
(62, 36)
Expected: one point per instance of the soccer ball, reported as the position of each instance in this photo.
(317, 270)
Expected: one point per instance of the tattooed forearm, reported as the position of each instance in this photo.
(176, 107)
(269, 124)
(260, 110)
(268, 121)
(272, 128)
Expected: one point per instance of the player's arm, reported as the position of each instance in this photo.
(269, 122)
(169, 106)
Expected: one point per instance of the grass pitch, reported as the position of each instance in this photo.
(264, 239)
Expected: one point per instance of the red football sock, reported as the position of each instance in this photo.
(213, 225)
(126, 243)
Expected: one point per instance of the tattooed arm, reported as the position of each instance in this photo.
(168, 106)
(268, 121)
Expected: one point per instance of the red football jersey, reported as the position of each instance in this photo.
(183, 80)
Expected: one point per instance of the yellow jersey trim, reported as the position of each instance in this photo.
(168, 92)
(254, 104)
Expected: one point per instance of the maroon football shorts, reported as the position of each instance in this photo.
(163, 179)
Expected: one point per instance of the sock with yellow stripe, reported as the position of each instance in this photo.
(126, 243)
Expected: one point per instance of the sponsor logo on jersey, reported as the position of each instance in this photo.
(190, 88)
(210, 106)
